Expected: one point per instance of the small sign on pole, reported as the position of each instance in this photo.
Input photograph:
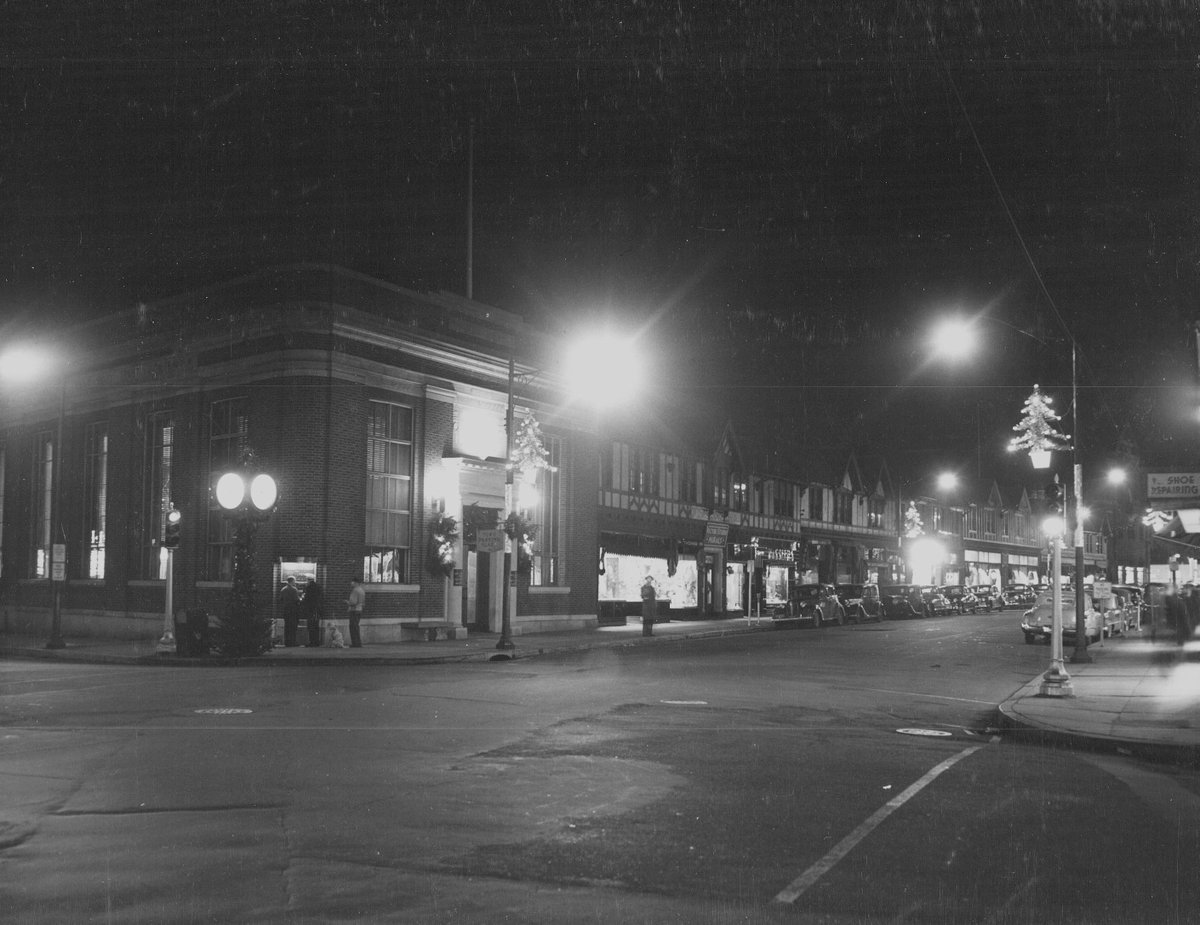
(58, 562)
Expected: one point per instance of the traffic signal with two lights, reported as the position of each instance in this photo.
(171, 531)
(1054, 498)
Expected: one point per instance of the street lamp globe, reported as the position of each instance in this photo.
(231, 491)
(263, 492)
(1054, 526)
(1117, 476)
(947, 481)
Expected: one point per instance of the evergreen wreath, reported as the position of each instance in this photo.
(443, 532)
(522, 533)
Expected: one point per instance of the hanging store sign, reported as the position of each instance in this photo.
(489, 541)
(716, 532)
(1161, 485)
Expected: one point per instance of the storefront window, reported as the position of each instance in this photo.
(775, 584)
(624, 574)
(735, 579)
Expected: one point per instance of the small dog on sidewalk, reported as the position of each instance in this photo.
(335, 638)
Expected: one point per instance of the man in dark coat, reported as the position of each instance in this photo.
(289, 605)
(313, 607)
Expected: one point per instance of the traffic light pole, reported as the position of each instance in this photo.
(167, 643)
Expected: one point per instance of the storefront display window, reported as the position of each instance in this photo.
(775, 584)
(624, 575)
(735, 581)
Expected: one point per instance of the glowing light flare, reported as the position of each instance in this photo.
(26, 364)
(947, 481)
(924, 555)
(954, 339)
(1054, 526)
(1116, 476)
(604, 369)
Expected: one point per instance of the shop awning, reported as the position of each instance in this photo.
(1179, 528)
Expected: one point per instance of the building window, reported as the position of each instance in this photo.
(388, 538)
(643, 471)
(875, 509)
(738, 495)
(228, 437)
(95, 495)
(42, 494)
(687, 481)
(547, 540)
(156, 493)
(784, 500)
(843, 507)
(720, 489)
(816, 502)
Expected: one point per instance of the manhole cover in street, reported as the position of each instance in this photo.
(222, 711)
(938, 733)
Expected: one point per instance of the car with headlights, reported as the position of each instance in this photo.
(1017, 597)
(961, 598)
(901, 602)
(816, 603)
(860, 602)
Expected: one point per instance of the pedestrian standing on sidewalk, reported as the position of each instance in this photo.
(313, 606)
(649, 606)
(289, 604)
(354, 608)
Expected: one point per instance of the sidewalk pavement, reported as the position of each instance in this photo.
(1135, 694)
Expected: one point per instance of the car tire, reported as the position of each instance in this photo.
(1030, 639)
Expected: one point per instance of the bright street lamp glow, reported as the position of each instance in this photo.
(231, 491)
(1054, 526)
(947, 481)
(954, 339)
(1117, 476)
(263, 492)
(604, 370)
(25, 364)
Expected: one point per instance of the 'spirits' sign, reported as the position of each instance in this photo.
(1161, 485)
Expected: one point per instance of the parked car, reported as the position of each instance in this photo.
(1018, 597)
(1037, 621)
(860, 602)
(986, 597)
(961, 598)
(817, 603)
(936, 603)
(901, 602)
(1133, 603)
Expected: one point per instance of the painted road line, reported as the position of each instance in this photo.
(794, 889)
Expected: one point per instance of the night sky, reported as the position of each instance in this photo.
(785, 193)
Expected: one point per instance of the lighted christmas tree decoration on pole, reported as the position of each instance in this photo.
(1036, 432)
(913, 526)
(529, 452)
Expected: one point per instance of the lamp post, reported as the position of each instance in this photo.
(29, 365)
(600, 370)
(954, 339)
(249, 497)
(1056, 682)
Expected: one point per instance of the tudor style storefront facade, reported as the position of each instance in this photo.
(377, 410)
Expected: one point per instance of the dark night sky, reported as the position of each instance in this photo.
(790, 191)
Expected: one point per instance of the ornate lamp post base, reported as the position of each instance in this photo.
(1056, 683)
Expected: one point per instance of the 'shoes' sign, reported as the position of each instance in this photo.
(1162, 485)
